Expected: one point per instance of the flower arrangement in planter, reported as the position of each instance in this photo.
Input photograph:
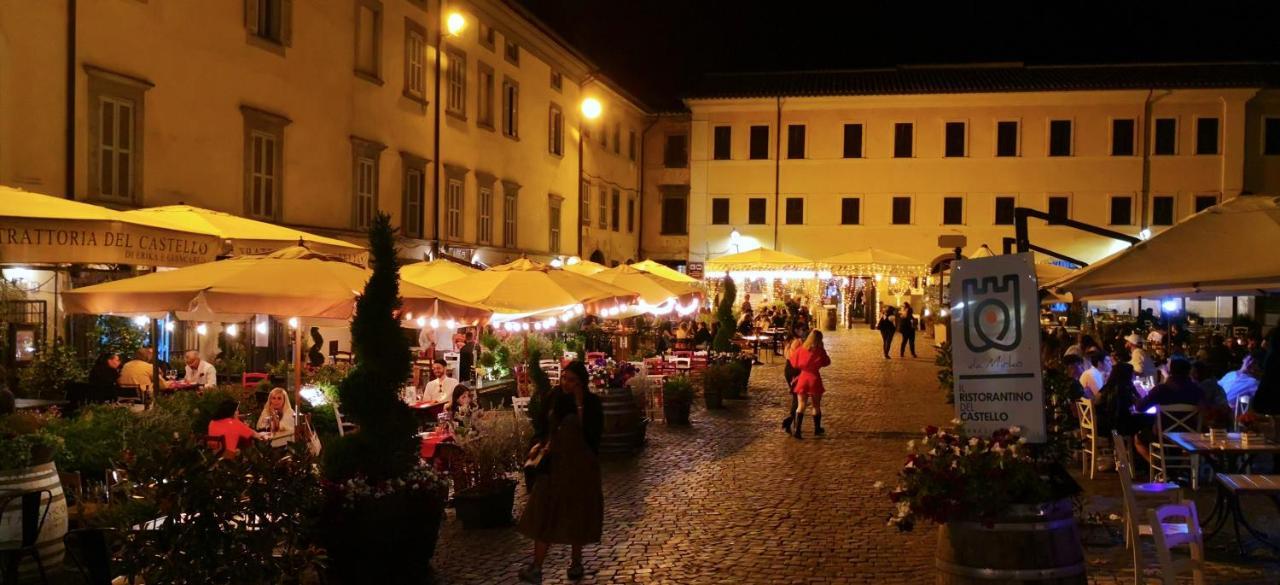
(26, 439)
(485, 493)
(677, 398)
(608, 373)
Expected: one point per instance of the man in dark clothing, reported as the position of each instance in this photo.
(1218, 356)
(467, 358)
(1178, 389)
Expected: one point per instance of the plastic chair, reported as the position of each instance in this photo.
(1184, 531)
(32, 520)
(250, 380)
(1088, 437)
(1167, 456)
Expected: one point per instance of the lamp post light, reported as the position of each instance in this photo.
(591, 109)
(452, 24)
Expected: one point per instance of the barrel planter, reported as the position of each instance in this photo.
(624, 424)
(389, 539)
(486, 506)
(1029, 544)
(37, 477)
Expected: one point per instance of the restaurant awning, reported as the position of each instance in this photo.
(42, 229)
(1227, 249)
(435, 272)
(526, 287)
(760, 260)
(663, 270)
(871, 261)
(248, 236)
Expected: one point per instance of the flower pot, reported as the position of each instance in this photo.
(1039, 544)
(384, 540)
(486, 506)
(624, 424)
(676, 411)
(42, 476)
(711, 394)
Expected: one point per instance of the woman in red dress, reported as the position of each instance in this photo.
(809, 358)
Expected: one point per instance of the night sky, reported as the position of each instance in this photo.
(658, 48)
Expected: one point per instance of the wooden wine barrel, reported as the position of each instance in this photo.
(1031, 544)
(39, 477)
(624, 424)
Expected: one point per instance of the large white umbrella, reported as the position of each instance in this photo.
(247, 236)
(525, 287)
(1227, 249)
(875, 261)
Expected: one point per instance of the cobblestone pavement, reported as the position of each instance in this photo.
(731, 499)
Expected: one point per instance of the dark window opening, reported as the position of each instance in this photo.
(954, 139)
(1122, 137)
(1166, 136)
(901, 210)
(795, 211)
(1207, 136)
(1006, 139)
(1004, 210)
(759, 149)
(1162, 210)
(1121, 211)
(952, 210)
(902, 135)
(850, 211)
(756, 207)
(1059, 210)
(722, 149)
(853, 140)
(720, 211)
(1060, 138)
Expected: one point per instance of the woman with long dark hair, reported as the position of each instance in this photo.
(566, 505)
(907, 324)
(887, 326)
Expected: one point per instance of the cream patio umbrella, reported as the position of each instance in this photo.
(585, 267)
(1227, 249)
(526, 288)
(657, 295)
(435, 272)
(870, 261)
(42, 229)
(761, 260)
(662, 270)
(248, 236)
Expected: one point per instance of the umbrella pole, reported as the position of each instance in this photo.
(297, 365)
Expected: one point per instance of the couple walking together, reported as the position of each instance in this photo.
(804, 360)
(905, 323)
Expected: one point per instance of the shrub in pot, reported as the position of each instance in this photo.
(677, 398)
(27, 449)
(716, 382)
(491, 453)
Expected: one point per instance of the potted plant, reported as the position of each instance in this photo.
(732, 371)
(677, 398)
(716, 382)
(485, 492)
(54, 367)
(384, 506)
(27, 449)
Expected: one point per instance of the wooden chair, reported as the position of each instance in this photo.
(33, 511)
(520, 405)
(1167, 456)
(1184, 529)
(250, 380)
(130, 394)
(1137, 499)
(1088, 437)
(343, 427)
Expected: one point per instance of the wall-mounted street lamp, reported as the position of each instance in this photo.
(452, 24)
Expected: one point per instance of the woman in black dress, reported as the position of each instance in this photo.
(907, 324)
(887, 326)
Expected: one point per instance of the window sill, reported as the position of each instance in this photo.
(514, 137)
(674, 234)
(371, 78)
(264, 43)
(456, 115)
(417, 99)
(481, 124)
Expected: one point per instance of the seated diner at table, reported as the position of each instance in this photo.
(1244, 381)
(1142, 364)
(1179, 388)
(199, 372)
(1115, 403)
(139, 372)
(277, 418)
(441, 386)
(104, 378)
(233, 431)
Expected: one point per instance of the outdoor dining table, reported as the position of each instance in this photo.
(1249, 484)
(37, 403)
(1219, 453)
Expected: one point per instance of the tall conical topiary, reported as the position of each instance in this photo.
(724, 315)
(386, 446)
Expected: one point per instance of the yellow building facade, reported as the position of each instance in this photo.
(612, 159)
(820, 164)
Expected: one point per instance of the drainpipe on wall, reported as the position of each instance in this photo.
(1144, 223)
(777, 174)
(70, 192)
(640, 205)
(435, 148)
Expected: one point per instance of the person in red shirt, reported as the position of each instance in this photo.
(810, 357)
(231, 429)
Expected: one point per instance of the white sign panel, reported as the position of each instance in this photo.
(995, 345)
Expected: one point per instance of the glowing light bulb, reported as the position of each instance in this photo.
(592, 108)
(422, 322)
(451, 324)
(261, 327)
(202, 329)
(435, 323)
(233, 330)
(140, 321)
(455, 23)
(168, 326)
(293, 322)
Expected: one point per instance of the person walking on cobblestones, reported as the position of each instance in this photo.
(809, 358)
(790, 372)
(566, 505)
(907, 327)
(887, 327)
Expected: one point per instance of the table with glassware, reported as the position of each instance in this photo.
(1228, 454)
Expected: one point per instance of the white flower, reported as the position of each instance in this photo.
(955, 450)
(973, 441)
(1114, 517)
(878, 485)
(1022, 440)
(957, 422)
(1015, 429)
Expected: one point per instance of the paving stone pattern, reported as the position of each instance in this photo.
(731, 499)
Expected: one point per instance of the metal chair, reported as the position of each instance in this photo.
(32, 520)
(1169, 535)
(1167, 456)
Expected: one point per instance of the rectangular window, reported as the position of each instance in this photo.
(722, 148)
(1004, 210)
(631, 145)
(585, 190)
(488, 37)
(453, 209)
(1204, 202)
(269, 19)
(1060, 138)
(759, 148)
(604, 135)
(484, 215)
(512, 52)
(1162, 210)
(510, 109)
(604, 207)
(1121, 210)
(366, 192)
(720, 211)
(850, 211)
(554, 220)
(556, 131)
(484, 96)
(795, 141)
(1122, 142)
(1206, 136)
(756, 210)
(631, 215)
(510, 209)
(1007, 138)
(117, 155)
(1271, 136)
(457, 96)
(557, 81)
(676, 153)
(902, 138)
(615, 218)
(414, 185)
(263, 163)
(952, 210)
(415, 60)
(955, 139)
(901, 210)
(369, 40)
(675, 213)
(795, 211)
(1166, 136)
(853, 140)
(617, 138)
(1059, 209)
